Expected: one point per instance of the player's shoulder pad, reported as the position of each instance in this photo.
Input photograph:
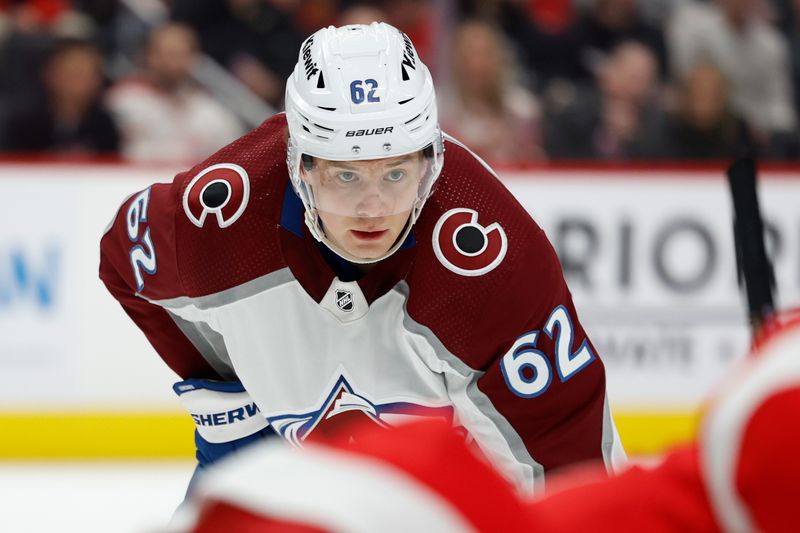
(218, 192)
(227, 221)
(222, 410)
(483, 268)
(475, 225)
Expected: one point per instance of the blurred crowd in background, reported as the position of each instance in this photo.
(519, 81)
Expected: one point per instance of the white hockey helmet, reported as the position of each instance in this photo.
(357, 93)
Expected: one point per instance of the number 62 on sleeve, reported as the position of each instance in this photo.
(528, 372)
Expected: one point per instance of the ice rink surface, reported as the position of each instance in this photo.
(98, 496)
(90, 497)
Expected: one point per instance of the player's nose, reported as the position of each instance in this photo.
(372, 205)
(373, 200)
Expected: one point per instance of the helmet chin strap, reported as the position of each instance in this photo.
(312, 221)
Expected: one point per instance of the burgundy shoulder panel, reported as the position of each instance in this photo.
(226, 223)
(212, 228)
(485, 275)
(465, 298)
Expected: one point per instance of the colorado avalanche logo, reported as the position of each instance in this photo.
(221, 190)
(464, 246)
(344, 408)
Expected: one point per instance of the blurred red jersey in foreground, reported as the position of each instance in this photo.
(739, 475)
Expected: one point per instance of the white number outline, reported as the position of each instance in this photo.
(144, 259)
(137, 212)
(141, 258)
(575, 361)
(523, 354)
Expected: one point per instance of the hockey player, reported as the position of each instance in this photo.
(383, 274)
(739, 476)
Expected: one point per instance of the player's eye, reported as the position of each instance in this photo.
(346, 177)
(396, 175)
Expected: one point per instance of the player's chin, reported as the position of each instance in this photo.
(370, 248)
(369, 252)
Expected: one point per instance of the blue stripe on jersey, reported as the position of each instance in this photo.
(292, 211)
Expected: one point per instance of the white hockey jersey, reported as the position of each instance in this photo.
(470, 320)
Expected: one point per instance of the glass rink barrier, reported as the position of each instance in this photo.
(94, 438)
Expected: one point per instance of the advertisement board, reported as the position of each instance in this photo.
(648, 256)
(63, 343)
(650, 260)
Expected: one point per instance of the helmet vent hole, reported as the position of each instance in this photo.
(320, 81)
(323, 127)
(401, 102)
(327, 108)
(411, 120)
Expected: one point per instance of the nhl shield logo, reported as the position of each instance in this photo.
(344, 300)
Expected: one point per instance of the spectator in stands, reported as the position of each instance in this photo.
(616, 120)
(119, 27)
(27, 32)
(542, 33)
(256, 40)
(361, 13)
(316, 14)
(702, 126)
(162, 114)
(794, 44)
(71, 120)
(559, 40)
(748, 50)
(787, 145)
(418, 19)
(487, 108)
(608, 23)
(551, 15)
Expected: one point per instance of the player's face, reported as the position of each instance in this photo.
(361, 237)
(364, 205)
